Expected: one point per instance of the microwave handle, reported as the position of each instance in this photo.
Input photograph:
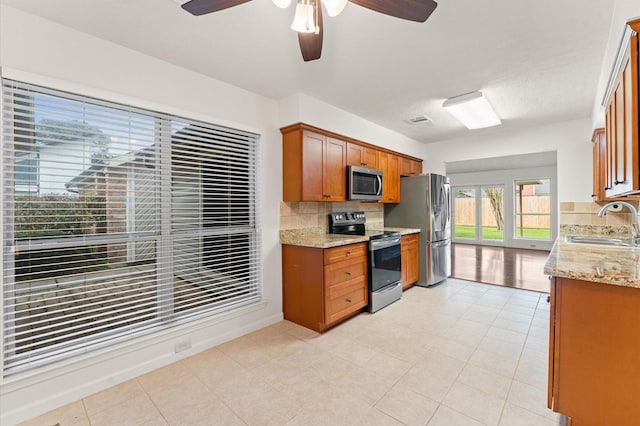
(379, 191)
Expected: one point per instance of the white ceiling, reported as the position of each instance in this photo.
(537, 61)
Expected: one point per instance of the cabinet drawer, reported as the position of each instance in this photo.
(343, 299)
(350, 251)
(339, 272)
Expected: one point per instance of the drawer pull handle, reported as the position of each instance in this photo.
(348, 273)
(348, 252)
(348, 300)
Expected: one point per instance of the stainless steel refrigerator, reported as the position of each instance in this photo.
(425, 203)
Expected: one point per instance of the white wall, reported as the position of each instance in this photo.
(571, 140)
(305, 109)
(46, 53)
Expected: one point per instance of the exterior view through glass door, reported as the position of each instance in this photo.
(479, 214)
(464, 210)
(532, 209)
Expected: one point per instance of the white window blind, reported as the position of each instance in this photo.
(118, 221)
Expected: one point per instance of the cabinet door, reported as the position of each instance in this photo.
(303, 286)
(599, 164)
(370, 158)
(404, 266)
(354, 155)
(417, 167)
(312, 166)
(623, 174)
(361, 156)
(334, 170)
(409, 167)
(413, 273)
(594, 352)
(410, 272)
(390, 166)
(324, 175)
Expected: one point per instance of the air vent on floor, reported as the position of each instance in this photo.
(421, 119)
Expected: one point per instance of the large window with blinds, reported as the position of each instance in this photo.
(118, 222)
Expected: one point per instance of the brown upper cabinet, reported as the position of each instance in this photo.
(390, 166)
(621, 166)
(361, 156)
(314, 165)
(599, 172)
(409, 167)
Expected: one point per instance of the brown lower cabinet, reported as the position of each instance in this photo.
(409, 253)
(322, 287)
(594, 352)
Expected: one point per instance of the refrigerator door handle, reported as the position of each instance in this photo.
(440, 243)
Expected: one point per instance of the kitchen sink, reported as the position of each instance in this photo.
(600, 241)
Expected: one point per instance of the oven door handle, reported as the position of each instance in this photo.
(377, 244)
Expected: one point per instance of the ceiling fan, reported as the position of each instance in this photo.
(308, 18)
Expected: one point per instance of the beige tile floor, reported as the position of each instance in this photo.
(461, 353)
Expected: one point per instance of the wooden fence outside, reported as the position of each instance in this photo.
(465, 211)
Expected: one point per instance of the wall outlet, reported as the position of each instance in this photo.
(182, 346)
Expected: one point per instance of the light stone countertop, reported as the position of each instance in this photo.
(608, 265)
(403, 231)
(300, 237)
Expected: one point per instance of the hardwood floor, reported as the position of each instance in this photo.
(509, 267)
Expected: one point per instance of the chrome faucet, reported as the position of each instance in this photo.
(635, 234)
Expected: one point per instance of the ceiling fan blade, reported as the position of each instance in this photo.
(412, 10)
(202, 7)
(311, 43)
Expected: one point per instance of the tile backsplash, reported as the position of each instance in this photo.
(575, 217)
(314, 216)
(582, 218)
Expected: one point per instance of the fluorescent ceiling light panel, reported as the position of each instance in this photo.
(473, 110)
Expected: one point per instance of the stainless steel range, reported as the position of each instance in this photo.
(385, 274)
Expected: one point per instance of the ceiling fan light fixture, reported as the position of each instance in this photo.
(304, 20)
(473, 110)
(334, 7)
(282, 4)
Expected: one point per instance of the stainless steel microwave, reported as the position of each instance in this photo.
(364, 184)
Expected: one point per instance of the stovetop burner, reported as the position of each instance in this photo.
(376, 235)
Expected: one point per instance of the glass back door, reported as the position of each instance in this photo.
(479, 214)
